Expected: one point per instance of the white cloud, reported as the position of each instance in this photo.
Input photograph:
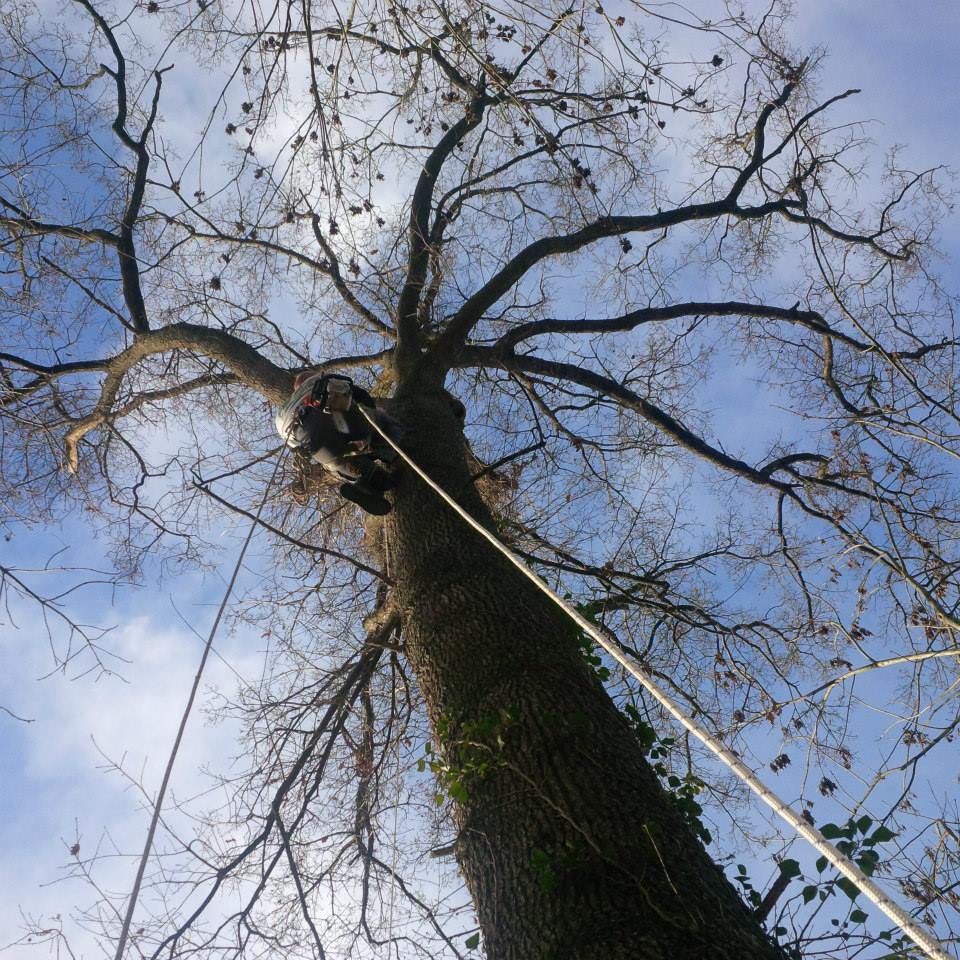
(56, 779)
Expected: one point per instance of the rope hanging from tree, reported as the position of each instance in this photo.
(926, 941)
(158, 803)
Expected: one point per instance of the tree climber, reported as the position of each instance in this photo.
(322, 421)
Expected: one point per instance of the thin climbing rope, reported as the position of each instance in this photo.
(393, 858)
(925, 940)
(158, 803)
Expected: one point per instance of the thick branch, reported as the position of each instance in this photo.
(23, 222)
(419, 231)
(757, 158)
(246, 363)
(11, 393)
(761, 476)
(730, 308)
(100, 416)
(129, 267)
(606, 386)
(449, 344)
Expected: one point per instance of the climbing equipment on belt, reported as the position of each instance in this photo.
(332, 393)
(337, 399)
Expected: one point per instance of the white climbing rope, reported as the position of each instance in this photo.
(393, 857)
(925, 940)
(175, 749)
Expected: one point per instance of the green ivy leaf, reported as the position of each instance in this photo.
(473, 941)
(831, 831)
(809, 892)
(864, 824)
(821, 864)
(789, 869)
(858, 916)
(458, 791)
(881, 835)
(849, 888)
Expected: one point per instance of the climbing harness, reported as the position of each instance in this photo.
(158, 803)
(807, 830)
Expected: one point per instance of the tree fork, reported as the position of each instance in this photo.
(569, 845)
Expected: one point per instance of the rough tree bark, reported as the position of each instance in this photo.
(567, 841)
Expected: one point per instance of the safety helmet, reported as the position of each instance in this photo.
(288, 421)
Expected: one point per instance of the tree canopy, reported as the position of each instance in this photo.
(708, 370)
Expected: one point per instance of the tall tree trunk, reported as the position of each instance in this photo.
(568, 844)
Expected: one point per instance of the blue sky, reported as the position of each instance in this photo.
(53, 777)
